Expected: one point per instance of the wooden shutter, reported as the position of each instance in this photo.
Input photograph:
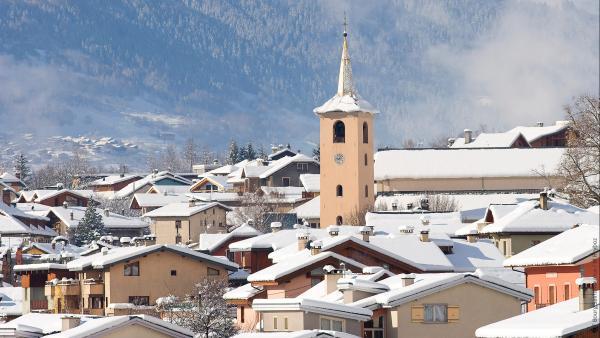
(453, 313)
(417, 313)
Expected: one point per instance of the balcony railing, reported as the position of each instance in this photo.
(69, 287)
(93, 287)
(539, 306)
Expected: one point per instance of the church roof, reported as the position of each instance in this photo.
(346, 99)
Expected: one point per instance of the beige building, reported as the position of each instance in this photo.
(126, 279)
(346, 141)
(184, 222)
(424, 305)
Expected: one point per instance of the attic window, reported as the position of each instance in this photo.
(173, 272)
(131, 269)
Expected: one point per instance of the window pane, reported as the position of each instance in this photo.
(428, 313)
(325, 324)
(336, 325)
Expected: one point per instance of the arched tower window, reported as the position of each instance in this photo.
(339, 191)
(365, 132)
(366, 191)
(366, 162)
(339, 220)
(339, 132)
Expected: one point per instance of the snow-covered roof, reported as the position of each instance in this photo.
(558, 320)
(313, 306)
(489, 140)
(311, 182)
(346, 104)
(243, 292)
(215, 196)
(42, 195)
(19, 212)
(441, 222)
(169, 189)
(113, 179)
(59, 248)
(116, 255)
(466, 163)
(467, 256)
(105, 324)
(112, 221)
(568, 247)
(224, 170)
(210, 242)
(220, 181)
(309, 210)
(10, 178)
(38, 323)
(279, 270)
(11, 300)
(40, 267)
(277, 165)
(532, 134)
(529, 217)
(150, 179)
(158, 200)
(183, 209)
(34, 210)
(10, 225)
(425, 284)
(296, 334)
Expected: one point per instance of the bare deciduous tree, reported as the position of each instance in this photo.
(440, 203)
(190, 153)
(203, 311)
(581, 161)
(256, 207)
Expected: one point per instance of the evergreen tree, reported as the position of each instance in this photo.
(232, 156)
(242, 155)
(90, 227)
(261, 152)
(250, 152)
(22, 167)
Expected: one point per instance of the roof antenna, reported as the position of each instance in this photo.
(345, 25)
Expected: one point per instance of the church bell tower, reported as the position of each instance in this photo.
(346, 141)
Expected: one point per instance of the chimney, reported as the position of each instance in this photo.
(275, 226)
(451, 142)
(332, 275)
(586, 292)
(65, 204)
(481, 225)
(302, 237)
(71, 216)
(6, 196)
(544, 200)
(424, 236)
(407, 279)
(365, 232)
(315, 247)
(107, 212)
(539, 124)
(333, 231)
(395, 205)
(468, 136)
(69, 322)
(406, 229)
(104, 251)
(122, 175)
(425, 219)
(191, 202)
(472, 236)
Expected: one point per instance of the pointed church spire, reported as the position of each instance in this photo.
(345, 86)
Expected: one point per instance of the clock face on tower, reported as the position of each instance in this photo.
(339, 158)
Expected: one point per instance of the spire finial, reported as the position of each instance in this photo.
(345, 86)
(345, 25)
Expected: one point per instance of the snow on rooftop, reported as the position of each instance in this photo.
(346, 104)
(210, 242)
(245, 291)
(442, 222)
(311, 182)
(158, 200)
(557, 320)
(184, 209)
(300, 261)
(309, 210)
(488, 140)
(115, 255)
(466, 163)
(529, 217)
(533, 133)
(312, 306)
(11, 300)
(568, 247)
(113, 179)
(113, 220)
(468, 256)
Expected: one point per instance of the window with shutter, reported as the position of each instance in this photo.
(417, 314)
(453, 313)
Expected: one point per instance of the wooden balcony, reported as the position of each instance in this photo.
(539, 306)
(92, 287)
(93, 312)
(69, 288)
